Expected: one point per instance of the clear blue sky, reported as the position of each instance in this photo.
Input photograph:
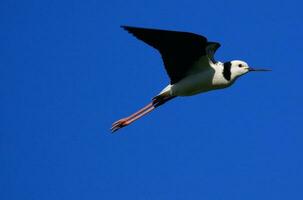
(67, 71)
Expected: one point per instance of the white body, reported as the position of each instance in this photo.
(203, 76)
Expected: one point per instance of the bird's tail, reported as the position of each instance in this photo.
(156, 102)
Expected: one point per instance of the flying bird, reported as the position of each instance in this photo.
(189, 62)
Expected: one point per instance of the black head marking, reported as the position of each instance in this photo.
(226, 70)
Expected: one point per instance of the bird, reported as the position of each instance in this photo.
(189, 61)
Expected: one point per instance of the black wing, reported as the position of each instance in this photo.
(179, 50)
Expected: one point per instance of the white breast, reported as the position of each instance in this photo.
(203, 80)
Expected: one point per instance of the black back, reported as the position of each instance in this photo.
(179, 50)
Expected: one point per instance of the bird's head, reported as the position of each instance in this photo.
(237, 68)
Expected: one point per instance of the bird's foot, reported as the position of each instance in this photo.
(119, 124)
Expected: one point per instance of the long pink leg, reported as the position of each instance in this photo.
(131, 120)
(135, 114)
(126, 121)
(157, 101)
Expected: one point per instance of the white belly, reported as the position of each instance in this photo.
(198, 83)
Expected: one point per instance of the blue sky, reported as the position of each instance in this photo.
(67, 71)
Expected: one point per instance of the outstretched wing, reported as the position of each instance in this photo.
(179, 50)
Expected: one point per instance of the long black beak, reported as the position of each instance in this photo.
(258, 70)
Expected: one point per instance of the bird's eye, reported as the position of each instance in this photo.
(240, 65)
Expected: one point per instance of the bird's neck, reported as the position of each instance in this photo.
(224, 74)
